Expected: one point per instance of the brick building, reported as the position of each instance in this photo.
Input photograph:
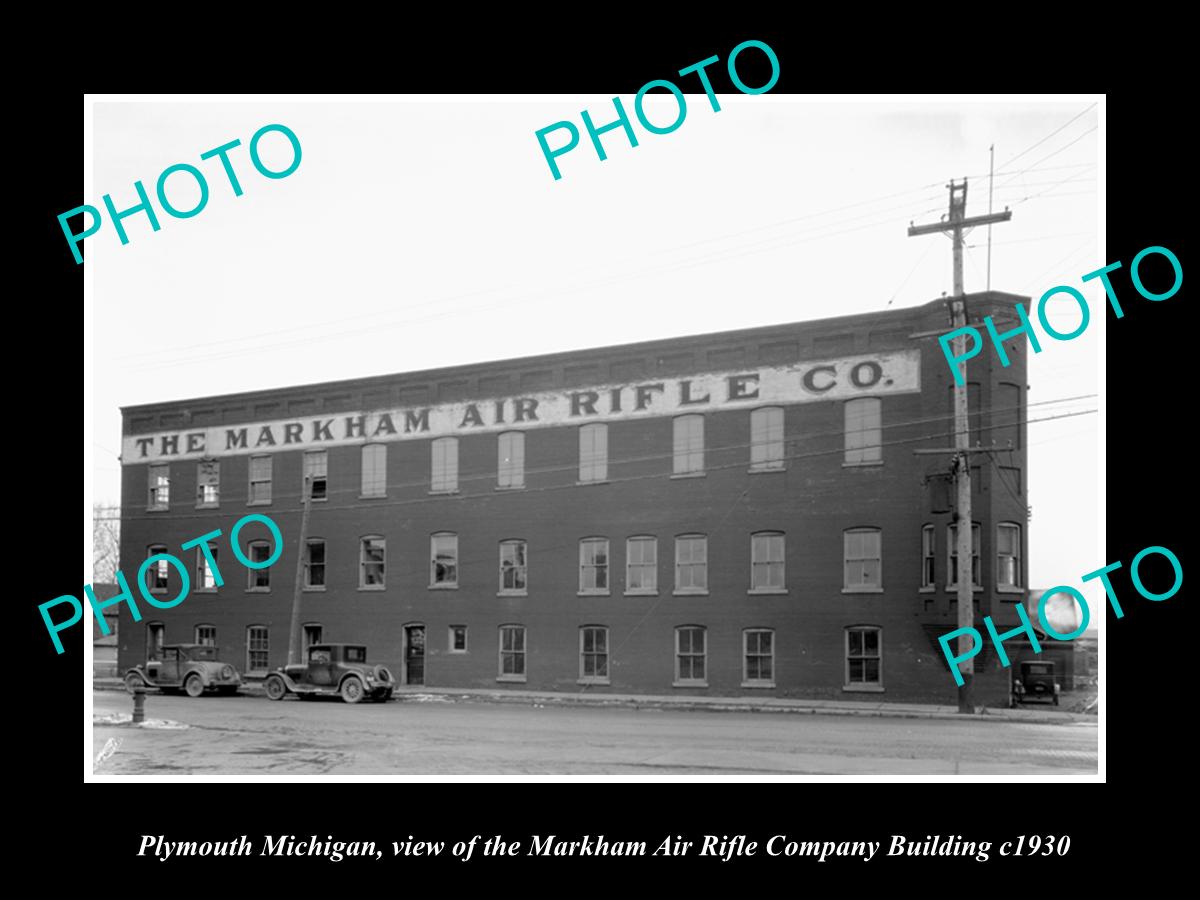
(720, 514)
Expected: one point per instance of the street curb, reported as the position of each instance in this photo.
(710, 705)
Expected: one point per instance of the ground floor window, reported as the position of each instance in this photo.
(690, 655)
(257, 648)
(864, 656)
(155, 638)
(512, 653)
(759, 657)
(593, 654)
(206, 635)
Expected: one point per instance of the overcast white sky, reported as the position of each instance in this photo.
(423, 232)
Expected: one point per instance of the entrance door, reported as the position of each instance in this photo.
(414, 654)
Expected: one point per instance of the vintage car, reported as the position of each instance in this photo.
(192, 668)
(1035, 684)
(332, 669)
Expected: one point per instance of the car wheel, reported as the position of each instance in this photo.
(275, 688)
(133, 681)
(352, 689)
(194, 686)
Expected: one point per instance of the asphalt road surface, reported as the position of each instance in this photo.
(254, 736)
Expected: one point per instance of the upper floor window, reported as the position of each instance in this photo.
(928, 553)
(159, 486)
(314, 563)
(208, 484)
(689, 444)
(593, 566)
(445, 465)
(511, 461)
(316, 464)
(206, 574)
(952, 551)
(260, 480)
(443, 562)
(593, 452)
(767, 562)
(259, 579)
(374, 470)
(1008, 555)
(766, 439)
(372, 555)
(863, 559)
(864, 432)
(691, 564)
(513, 568)
(641, 565)
(156, 574)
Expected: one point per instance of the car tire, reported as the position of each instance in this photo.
(275, 688)
(194, 686)
(352, 689)
(133, 681)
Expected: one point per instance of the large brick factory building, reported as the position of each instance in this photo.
(722, 514)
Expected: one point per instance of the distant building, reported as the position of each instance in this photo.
(104, 646)
(723, 514)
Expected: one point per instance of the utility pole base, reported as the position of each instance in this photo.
(966, 699)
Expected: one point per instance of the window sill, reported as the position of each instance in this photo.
(689, 592)
(512, 679)
(863, 688)
(859, 465)
(769, 685)
(505, 489)
(593, 594)
(593, 681)
(862, 590)
(258, 502)
(457, 652)
(689, 684)
(372, 496)
(1009, 589)
(597, 481)
(313, 589)
(766, 471)
(208, 506)
(512, 593)
(371, 588)
(927, 590)
(318, 499)
(766, 592)
(641, 592)
(443, 587)
(258, 590)
(151, 509)
(690, 475)
(443, 493)
(953, 588)
(204, 590)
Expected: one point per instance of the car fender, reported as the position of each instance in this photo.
(205, 678)
(287, 680)
(138, 671)
(367, 682)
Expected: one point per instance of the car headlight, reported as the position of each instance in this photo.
(227, 673)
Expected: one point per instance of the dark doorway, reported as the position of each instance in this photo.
(414, 654)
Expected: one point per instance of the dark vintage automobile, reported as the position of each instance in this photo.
(191, 668)
(332, 669)
(1035, 683)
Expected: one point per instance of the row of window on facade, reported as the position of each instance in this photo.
(863, 645)
(862, 447)
(862, 563)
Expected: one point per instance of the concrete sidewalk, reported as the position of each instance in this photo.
(716, 704)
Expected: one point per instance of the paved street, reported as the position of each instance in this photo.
(251, 735)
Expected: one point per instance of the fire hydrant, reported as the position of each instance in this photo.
(139, 704)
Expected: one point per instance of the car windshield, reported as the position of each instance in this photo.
(356, 654)
(1038, 670)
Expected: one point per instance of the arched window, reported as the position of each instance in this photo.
(952, 553)
(864, 431)
(510, 464)
(863, 559)
(766, 439)
(374, 470)
(593, 565)
(641, 564)
(1008, 555)
(689, 445)
(445, 466)
(767, 562)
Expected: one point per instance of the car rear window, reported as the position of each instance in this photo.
(356, 654)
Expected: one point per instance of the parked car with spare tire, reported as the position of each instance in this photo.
(190, 668)
(332, 670)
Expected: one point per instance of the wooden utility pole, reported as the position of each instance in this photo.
(294, 632)
(954, 225)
